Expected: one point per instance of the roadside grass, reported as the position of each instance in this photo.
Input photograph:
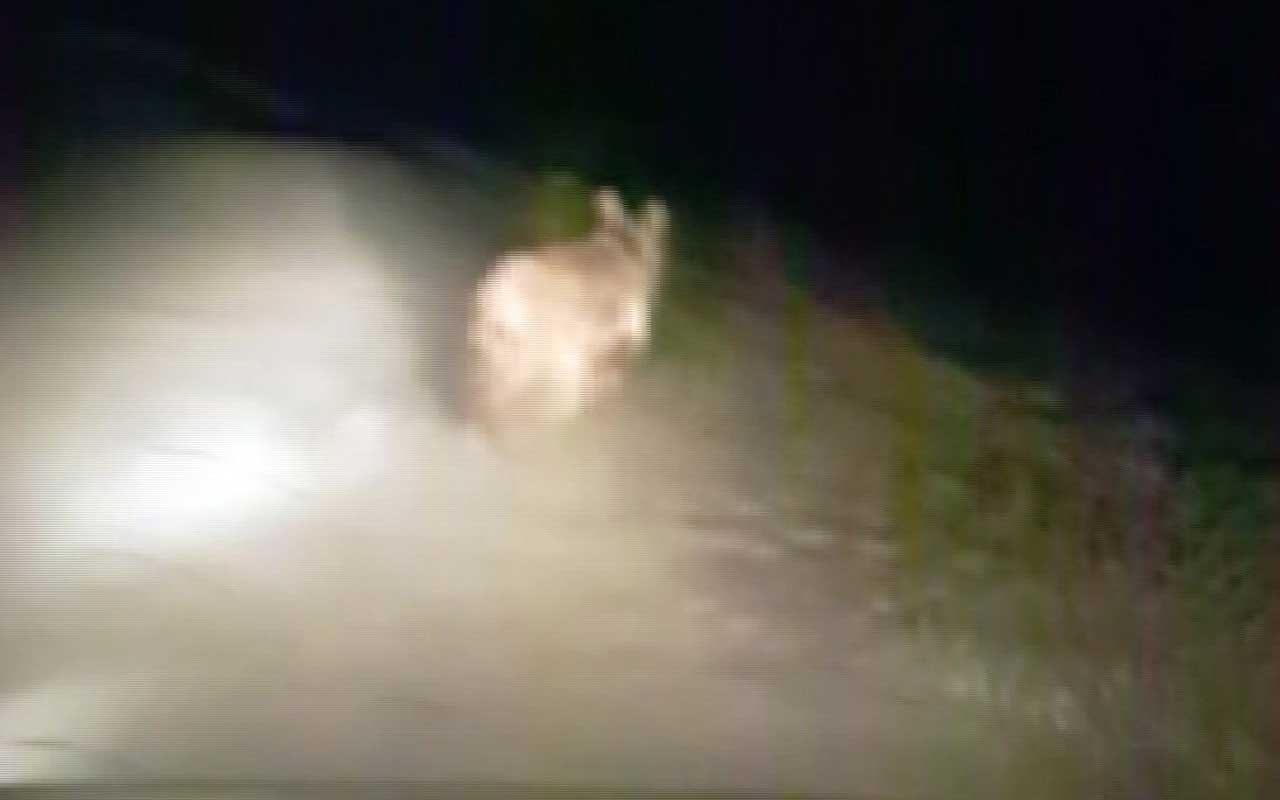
(1099, 603)
(1091, 607)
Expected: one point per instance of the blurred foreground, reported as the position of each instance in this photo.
(245, 538)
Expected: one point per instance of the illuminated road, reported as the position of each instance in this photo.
(243, 537)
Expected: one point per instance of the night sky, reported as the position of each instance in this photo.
(1117, 157)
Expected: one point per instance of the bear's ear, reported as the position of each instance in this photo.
(656, 219)
(652, 230)
(610, 212)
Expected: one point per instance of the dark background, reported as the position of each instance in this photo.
(1114, 161)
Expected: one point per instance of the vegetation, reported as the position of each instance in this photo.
(1095, 598)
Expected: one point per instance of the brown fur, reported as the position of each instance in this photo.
(552, 330)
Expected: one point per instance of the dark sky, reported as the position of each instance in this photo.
(1125, 152)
